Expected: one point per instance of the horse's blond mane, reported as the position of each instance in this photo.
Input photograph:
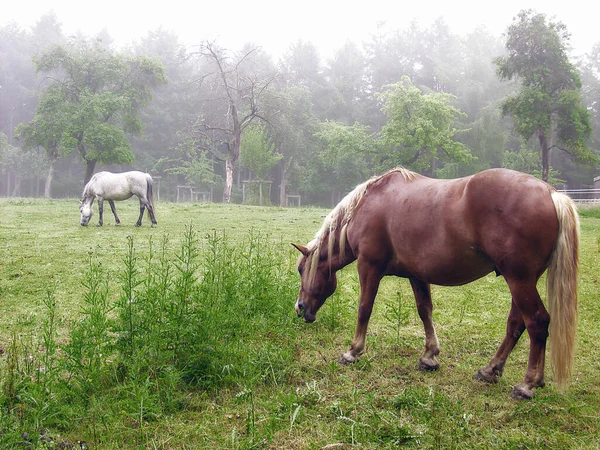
(340, 216)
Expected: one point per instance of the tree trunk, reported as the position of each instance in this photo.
(228, 181)
(89, 170)
(17, 190)
(49, 177)
(285, 167)
(234, 152)
(545, 150)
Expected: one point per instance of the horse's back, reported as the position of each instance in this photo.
(455, 231)
(119, 186)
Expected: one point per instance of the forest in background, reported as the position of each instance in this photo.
(208, 117)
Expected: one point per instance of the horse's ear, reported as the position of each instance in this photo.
(301, 249)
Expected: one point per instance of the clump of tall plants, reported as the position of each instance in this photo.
(167, 322)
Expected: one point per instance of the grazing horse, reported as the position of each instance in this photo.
(117, 186)
(449, 233)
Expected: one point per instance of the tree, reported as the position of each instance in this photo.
(346, 153)
(549, 105)
(420, 128)
(258, 152)
(20, 164)
(591, 90)
(93, 98)
(235, 87)
(291, 129)
(347, 75)
(46, 131)
(174, 104)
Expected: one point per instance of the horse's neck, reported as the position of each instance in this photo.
(341, 253)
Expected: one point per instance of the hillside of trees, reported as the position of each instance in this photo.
(443, 104)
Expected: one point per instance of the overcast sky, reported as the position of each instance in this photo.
(274, 25)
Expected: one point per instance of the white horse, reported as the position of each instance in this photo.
(117, 186)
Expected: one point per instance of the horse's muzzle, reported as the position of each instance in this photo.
(303, 312)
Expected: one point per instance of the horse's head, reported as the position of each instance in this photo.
(317, 283)
(85, 207)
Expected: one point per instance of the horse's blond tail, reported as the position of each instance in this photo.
(562, 289)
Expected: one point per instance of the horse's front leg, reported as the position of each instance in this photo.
(100, 212)
(370, 278)
(422, 292)
(114, 211)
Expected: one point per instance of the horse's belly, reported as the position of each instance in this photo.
(119, 196)
(449, 270)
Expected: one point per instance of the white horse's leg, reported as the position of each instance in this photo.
(100, 211)
(142, 207)
(151, 212)
(114, 211)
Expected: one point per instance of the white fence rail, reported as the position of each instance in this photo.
(583, 195)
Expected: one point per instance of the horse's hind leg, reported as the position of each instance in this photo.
(535, 318)
(144, 203)
(114, 211)
(537, 321)
(514, 328)
(151, 213)
(422, 292)
(142, 207)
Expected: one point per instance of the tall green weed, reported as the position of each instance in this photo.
(208, 315)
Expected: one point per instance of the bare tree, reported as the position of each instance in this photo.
(235, 87)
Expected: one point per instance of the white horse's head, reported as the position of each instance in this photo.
(85, 207)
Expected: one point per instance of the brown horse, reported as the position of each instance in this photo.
(452, 232)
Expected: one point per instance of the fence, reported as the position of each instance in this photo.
(583, 196)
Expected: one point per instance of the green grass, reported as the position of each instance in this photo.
(184, 336)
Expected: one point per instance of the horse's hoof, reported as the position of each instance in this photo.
(522, 392)
(428, 364)
(99, 225)
(347, 358)
(154, 225)
(118, 224)
(490, 378)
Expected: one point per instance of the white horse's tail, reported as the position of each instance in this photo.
(149, 194)
(562, 289)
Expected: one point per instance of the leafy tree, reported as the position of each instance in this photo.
(549, 105)
(174, 105)
(18, 80)
(591, 90)
(291, 129)
(346, 153)
(20, 164)
(46, 131)
(258, 152)
(198, 171)
(442, 64)
(347, 74)
(420, 128)
(93, 98)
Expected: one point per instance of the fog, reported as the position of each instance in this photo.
(274, 25)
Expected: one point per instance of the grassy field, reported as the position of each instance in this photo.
(184, 337)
